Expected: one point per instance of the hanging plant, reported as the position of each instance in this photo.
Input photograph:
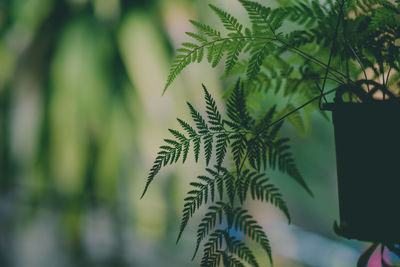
(361, 39)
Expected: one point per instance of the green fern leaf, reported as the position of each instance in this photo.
(215, 242)
(218, 53)
(214, 117)
(198, 119)
(219, 179)
(221, 146)
(229, 180)
(244, 222)
(210, 52)
(180, 62)
(295, 119)
(238, 148)
(258, 54)
(262, 190)
(206, 30)
(230, 260)
(196, 198)
(237, 110)
(263, 124)
(259, 16)
(230, 22)
(241, 250)
(154, 170)
(189, 129)
(199, 38)
(200, 54)
(208, 145)
(279, 155)
(169, 153)
(208, 223)
(233, 54)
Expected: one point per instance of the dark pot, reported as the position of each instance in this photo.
(367, 138)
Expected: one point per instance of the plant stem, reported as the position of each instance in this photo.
(333, 45)
(361, 64)
(241, 165)
(387, 77)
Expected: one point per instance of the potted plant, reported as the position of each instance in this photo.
(351, 46)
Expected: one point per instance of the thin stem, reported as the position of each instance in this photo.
(361, 64)
(242, 164)
(382, 70)
(346, 51)
(333, 45)
(322, 95)
(387, 77)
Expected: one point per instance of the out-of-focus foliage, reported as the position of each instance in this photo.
(328, 30)
(71, 117)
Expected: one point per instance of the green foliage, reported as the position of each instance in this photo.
(288, 64)
(260, 189)
(252, 143)
(376, 23)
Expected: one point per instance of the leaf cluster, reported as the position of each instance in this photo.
(356, 34)
(254, 145)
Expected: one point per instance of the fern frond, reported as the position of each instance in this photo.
(307, 14)
(262, 190)
(154, 170)
(258, 54)
(238, 148)
(279, 155)
(208, 223)
(244, 222)
(229, 180)
(168, 154)
(233, 53)
(208, 145)
(230, 260)
(206, 30)
(219, 180)
(256, 151)
(241, 250)
(229, 22)
(199, 38)
(183, 59)
(222, 140)
(278, 15)
(204, 131)
(198, 119)
(295, 118)
(386, 16)
(242, 185)
(262, 125)
(194, 137)
(218, 52)
(189, 129)
(259, 16)
(214, 117)
(198, 196)
(210, 256)
(237, 110)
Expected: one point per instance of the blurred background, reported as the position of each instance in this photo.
(81, 119)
